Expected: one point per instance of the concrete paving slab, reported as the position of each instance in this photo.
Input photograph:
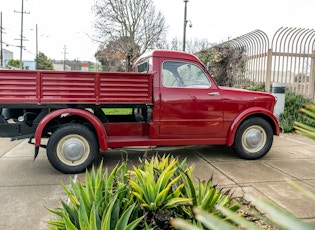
(304, 151)
(246, 172)
(282, 140)
(281, 152)
(6, 145)
(218, 153)
(24, 149)
(204, 171)
(301, 169)
(286, 196)
(310, 182)
(25, 207)
(26, 172)
(297, 139)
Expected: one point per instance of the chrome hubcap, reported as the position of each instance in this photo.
(254, 139)
(73, 149)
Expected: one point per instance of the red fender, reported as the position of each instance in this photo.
(251, 111)
(99, 127)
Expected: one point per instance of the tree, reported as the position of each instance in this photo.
(196, 45)
(220, 58)
(43, 62)
(134, 25)
(193, 45)
(14, 63)
(111, 58)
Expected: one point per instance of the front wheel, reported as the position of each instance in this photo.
(72, 148)
(253, 138)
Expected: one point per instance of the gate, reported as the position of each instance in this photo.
(290, 60)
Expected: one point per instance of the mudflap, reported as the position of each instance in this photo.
(36, 152)
(36, 148)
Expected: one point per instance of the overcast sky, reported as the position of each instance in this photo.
(70, 22)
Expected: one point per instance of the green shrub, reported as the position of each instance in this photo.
(293, 103)
(146, 197)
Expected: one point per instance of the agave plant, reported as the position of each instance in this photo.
(103, 202)
(165, 189)
(306, 129)
(156, 187)
(146, 197)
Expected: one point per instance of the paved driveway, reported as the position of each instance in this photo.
(28, 188)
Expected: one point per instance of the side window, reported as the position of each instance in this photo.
(184, 75)
(143, 67)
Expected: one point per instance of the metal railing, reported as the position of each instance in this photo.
(290, 60)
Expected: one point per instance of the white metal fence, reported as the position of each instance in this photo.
(289, 60)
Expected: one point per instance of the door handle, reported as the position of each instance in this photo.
(214, 94)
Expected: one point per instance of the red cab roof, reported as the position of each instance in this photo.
(169, 54)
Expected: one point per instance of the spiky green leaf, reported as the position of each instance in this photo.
(212, 222)
(280, 216)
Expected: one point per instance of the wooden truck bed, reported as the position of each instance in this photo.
(44, 87)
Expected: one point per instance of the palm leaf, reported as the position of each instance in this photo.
(306, 192)
(280, 216)
(236, 218)
(183, 225)
(212, 222)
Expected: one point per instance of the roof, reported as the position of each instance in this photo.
(169, 54)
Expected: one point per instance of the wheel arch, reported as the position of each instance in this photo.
(96, 123)
(250, 113)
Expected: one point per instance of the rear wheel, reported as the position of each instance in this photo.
(253, 138)
(72, 148)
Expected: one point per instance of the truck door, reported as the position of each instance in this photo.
(190, 103)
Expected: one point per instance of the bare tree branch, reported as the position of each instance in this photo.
(134, 25)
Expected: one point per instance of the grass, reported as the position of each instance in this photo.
(120, 111)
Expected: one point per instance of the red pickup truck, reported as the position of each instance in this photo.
(173, 98)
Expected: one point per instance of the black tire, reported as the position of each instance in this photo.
(253, 138)
(72, 148)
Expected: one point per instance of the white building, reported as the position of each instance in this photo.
(6, 56)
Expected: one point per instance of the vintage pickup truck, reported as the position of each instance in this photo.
(173, 98)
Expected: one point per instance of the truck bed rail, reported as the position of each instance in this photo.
(43, 87)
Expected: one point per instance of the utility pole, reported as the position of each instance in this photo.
(21, 39)
(64, 57)
(185, 23)
(36, 57)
